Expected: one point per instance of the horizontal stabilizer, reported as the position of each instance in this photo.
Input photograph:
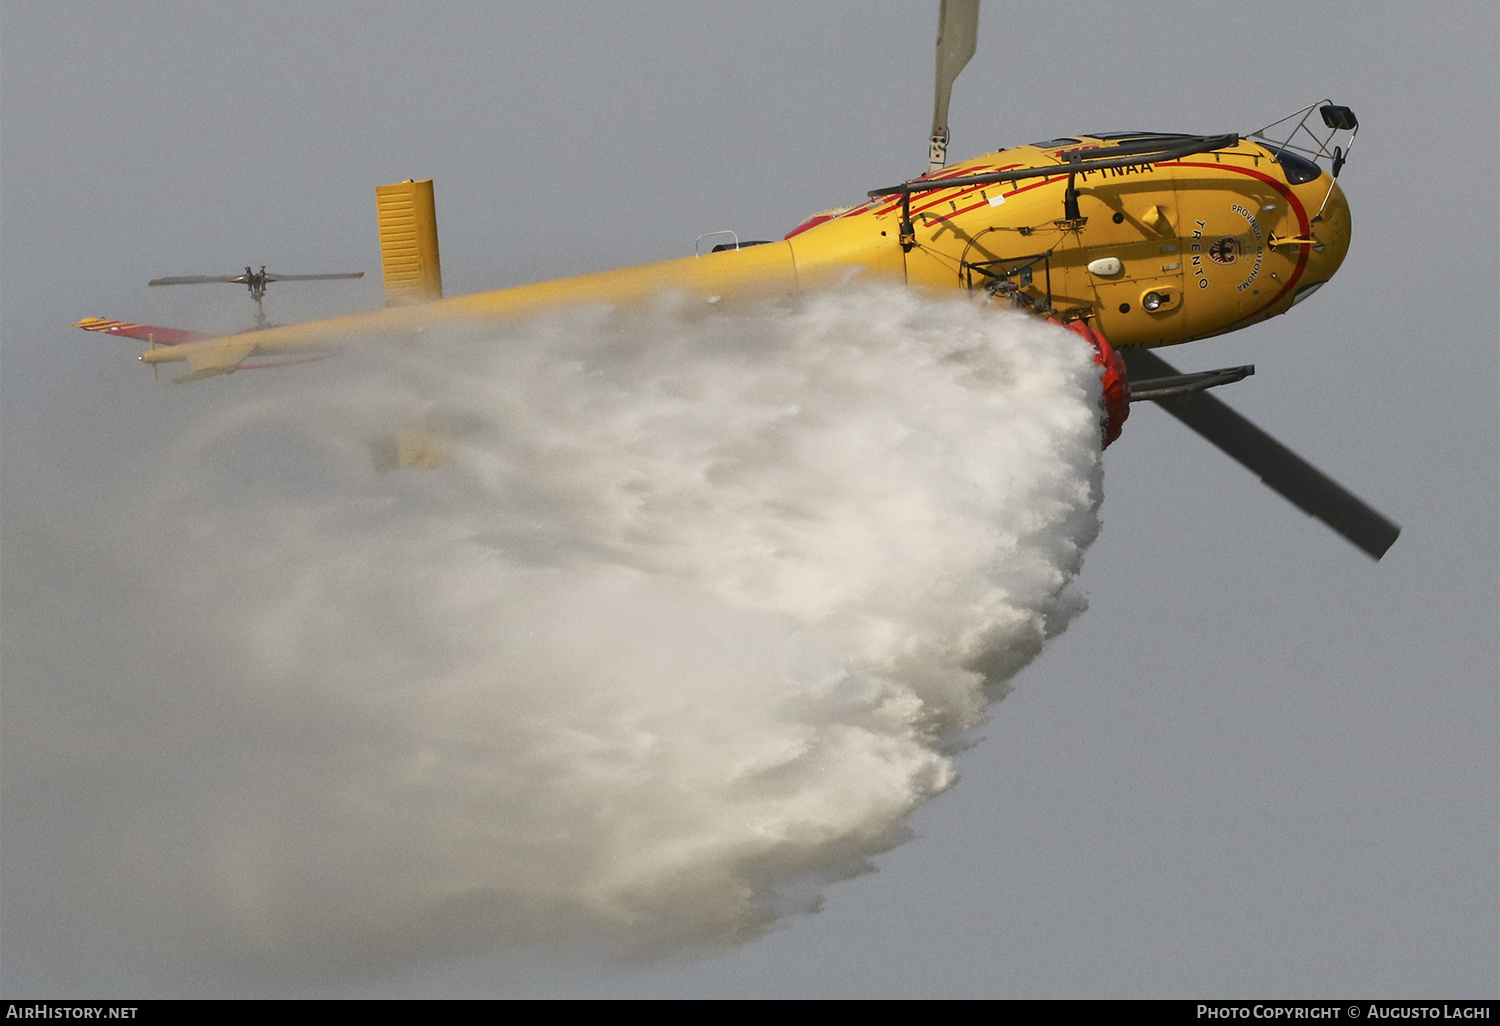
(145, 332)
(205, 359)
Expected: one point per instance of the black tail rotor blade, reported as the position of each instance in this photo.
(1308, 488)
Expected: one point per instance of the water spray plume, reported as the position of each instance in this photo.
(693, 618)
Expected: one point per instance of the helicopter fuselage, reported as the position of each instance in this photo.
(1160, 253)
(1157, 254)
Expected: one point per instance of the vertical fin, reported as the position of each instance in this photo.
(409, 243)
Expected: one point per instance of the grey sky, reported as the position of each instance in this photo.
(1258, 765)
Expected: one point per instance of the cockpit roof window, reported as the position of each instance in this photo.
(1054, 143)
(1298, 169)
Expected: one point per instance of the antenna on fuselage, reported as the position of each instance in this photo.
(958, 35)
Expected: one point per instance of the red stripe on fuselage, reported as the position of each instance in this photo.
(1061, 179)
(895, 204)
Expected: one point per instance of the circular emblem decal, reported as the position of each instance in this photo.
(1224, 249)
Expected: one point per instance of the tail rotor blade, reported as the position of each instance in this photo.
(958, 35)
(313, 277)
(1284, 471)
(241, 279)
(198, 279)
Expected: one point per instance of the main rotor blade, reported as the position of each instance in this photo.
(198, 279)
(958, 35)
(312, 277)
(1308, 488)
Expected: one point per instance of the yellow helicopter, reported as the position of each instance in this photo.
(1135, 240)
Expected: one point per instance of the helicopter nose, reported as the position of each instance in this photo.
(1331, 230)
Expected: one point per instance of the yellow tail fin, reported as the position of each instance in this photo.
(409, 243)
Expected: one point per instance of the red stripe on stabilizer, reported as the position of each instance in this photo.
(143, 332)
